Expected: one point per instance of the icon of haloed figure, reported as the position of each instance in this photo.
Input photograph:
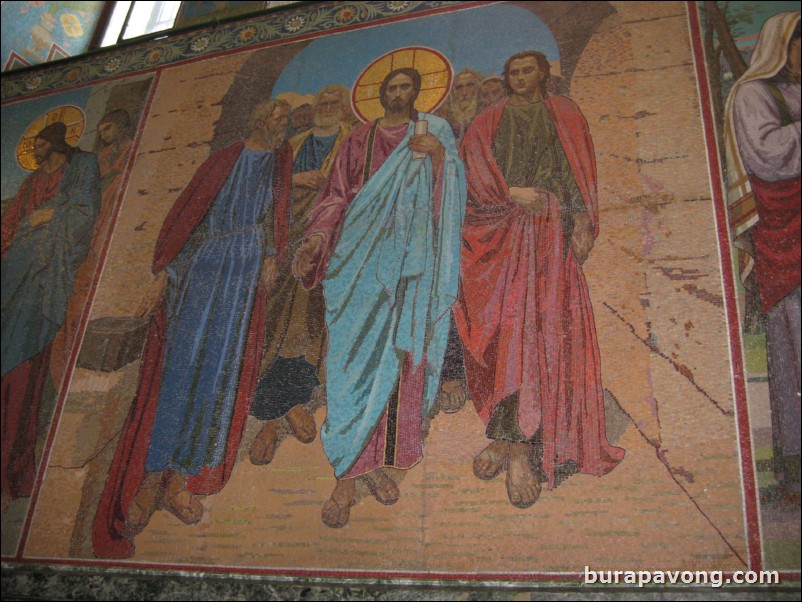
(46, 235)
(384, 240)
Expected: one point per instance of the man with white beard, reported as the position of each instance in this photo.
(295, 338)
(463, 102)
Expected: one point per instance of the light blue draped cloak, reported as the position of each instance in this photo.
(209, 299)
(390, 285)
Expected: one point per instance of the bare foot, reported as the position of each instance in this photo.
(490, 461)
(179, 502)
(337, 509)
(523, 488)
(382, 487)
(144, 504)
(452, 396)
(302, 424)
(263, 448)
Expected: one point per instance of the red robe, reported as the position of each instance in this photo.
(127, 470)
(776, 239)
(524, 313)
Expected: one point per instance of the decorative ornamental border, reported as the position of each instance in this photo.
(249, 32)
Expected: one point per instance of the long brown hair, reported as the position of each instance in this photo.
(416, 84)
(542, 63)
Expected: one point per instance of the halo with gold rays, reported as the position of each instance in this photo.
(72, 116)
(434, 68)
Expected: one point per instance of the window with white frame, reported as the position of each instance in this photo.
(134, 19)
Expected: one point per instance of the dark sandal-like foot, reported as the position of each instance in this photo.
(179, 502)
(334, 515)
(263, 448)
(453, 399)
(489, 462)
(302, 424)
(382, 487)
(144, 504)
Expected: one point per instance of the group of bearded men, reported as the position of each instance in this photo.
(374, 252)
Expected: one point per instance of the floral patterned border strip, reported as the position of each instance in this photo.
(253, 32)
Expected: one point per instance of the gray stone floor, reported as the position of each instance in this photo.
(36, 583)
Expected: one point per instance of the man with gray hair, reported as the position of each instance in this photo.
(463, 102)
(219, 247)
(295, 339)
(491, 91)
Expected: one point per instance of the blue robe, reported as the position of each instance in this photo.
(313, 152)
(390, 285)
(209, 299)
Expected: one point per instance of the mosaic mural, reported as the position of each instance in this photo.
(453, 296)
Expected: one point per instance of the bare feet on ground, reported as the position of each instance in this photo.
(452, 396)
(489, 462)
(337, 508)
(523, 488)
(302, 424)
(382, 487)
(144, 504)
(178, 500)
(263, 448)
